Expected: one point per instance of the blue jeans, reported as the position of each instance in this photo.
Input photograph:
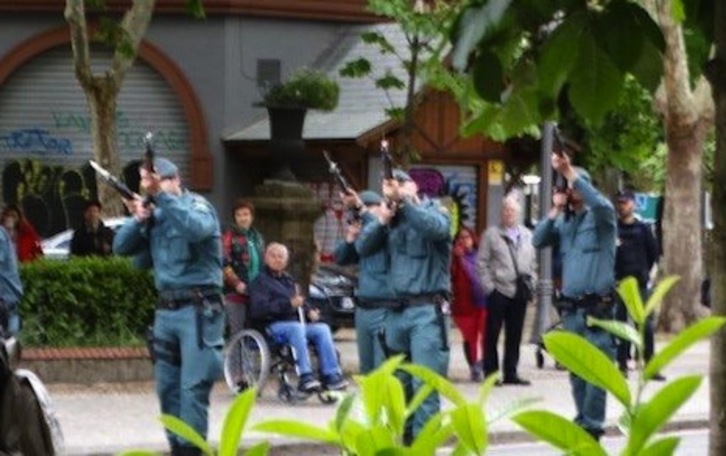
(187, 365)
(297, 335)
(589, 400)
(13, 320)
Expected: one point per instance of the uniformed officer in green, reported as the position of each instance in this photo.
(374, 293)
(179, 235)
(419, 240)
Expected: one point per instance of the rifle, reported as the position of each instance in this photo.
(334, 169)
(386, 160)
(113, 181)
(148, 162)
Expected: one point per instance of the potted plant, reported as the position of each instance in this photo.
(288, 102)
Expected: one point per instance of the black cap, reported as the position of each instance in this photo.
(624, 195)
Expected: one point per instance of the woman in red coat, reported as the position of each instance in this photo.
(26, 240)
(468, 304)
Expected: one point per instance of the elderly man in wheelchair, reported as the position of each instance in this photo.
(277, 305)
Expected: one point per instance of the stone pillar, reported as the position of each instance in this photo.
(285, 212)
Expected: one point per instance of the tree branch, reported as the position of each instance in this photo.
(75, 15)
(134, 23)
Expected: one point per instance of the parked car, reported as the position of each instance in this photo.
(332, 290)
(58, 246)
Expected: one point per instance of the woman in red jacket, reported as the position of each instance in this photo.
(468, 304)
(26, 240)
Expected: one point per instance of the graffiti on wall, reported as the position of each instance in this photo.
(454, 186)
(52, 196)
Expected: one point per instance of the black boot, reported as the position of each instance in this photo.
(185, 451)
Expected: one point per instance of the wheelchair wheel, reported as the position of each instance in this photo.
(246, 361)
(287, 393)
(539, 358)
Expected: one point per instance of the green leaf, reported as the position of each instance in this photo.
(678, 11)
(487, 386)
(261, 449)
(421, 394)
(379, 40)
(383, 397)
(513, 407)
(488, 77)
(439, 383)
(617, 32)
(587, 362)
(595, 82)
(470, 427)
(432, 436)
(520, 110)
(681, 342)
(629, 292)
(655, 413)
(370, 441)
(661, 289)
(292, 428)
(235, 421)
(356, 68)
(662, 447)
(559, 432)
(341, 415)
(559, 54)
(186, 432)
(196, 8)
(474, 23)
(619, 329)
(390, 81)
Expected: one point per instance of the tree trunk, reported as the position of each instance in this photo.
(687, 114)
(716, 72)
(102, 104)
(682, 225)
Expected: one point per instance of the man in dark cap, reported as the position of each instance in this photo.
(636, 254)
(183, 246)
(374, 290)
(418, 238)
(93, 237)
(586, 239)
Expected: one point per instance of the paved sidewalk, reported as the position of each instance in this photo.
(106, 419)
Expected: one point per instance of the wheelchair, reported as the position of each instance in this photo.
(250, 358)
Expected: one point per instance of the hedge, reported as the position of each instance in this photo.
(85, 302)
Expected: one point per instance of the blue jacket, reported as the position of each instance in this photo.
(374, 267)
(11, 289)
(586, 242)
(270, 296)
(419, 244)
(183, 244)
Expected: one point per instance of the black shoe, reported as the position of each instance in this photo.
(658, 377)
(335, 382)
(595, 433)
(517, 381)
(308, 384)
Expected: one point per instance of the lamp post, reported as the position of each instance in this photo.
(545, 288)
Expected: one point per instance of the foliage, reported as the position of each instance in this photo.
(85, 302)
(372, 421)
(641, 419)
(418, 61)
(524, 57)
(630, 134)
(307, 89)
(229, 439)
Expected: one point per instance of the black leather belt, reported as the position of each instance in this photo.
(377, 304)
(178, 298)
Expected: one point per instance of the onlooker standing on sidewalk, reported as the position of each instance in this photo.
(11, 289)
(587, 242)
(22, 234)
(636, 254)
(419, 241)
(92, 237)
(243, 251)
(375, 294)
(179, 236)
(468, 300)
(506, 262)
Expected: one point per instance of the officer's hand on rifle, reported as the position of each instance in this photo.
(351, 199)
(351, 234)
(138, 209)
(559, 203)
(562, 164)
(391, 190)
